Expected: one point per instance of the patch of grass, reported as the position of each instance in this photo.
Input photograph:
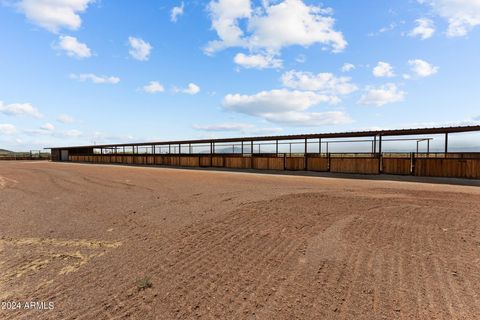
(144, 283)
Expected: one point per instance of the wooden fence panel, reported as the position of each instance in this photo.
(450, 167)
(157, 159)
(205, 161)
(189, 161)
(238, 162)
(260, 163)
(171, 160)
(276, 163)
(397, 165)
(473, 169)
(150, 160)
(355, 165)
(317, 164)
(295, 163)
(217, 161)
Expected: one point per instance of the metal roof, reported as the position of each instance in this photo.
(352, 134)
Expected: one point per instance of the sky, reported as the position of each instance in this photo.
(76, 72)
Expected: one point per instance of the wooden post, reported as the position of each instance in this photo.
(213, 147)
(169, 149)
(320, 146)
(276, 147)
(179, 148)
(374, 144)
(428, 147)
(242, 148)
(251, 147)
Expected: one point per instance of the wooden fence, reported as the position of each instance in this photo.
(451, 165)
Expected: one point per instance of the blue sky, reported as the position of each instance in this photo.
(83, 72)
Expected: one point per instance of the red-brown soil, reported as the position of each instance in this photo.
(223, 245)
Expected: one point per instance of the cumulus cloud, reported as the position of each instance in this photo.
(379, 96)
(139, 48)
(383, 69)
(424, 29)
(285, 107)
(7, 129)
(65, 118)
(326, 83)
(347, 67)
(73, 47)
(461, 15)
(54, 14)
(272, 26)
(153, 87)
(48, 127)
(94, 78)
(19, 109)
(257, 61)
(422, 68)
(176, 12)
(191, 89)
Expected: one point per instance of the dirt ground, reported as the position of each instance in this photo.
(76, 239)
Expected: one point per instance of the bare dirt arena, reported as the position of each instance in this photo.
(223, 245)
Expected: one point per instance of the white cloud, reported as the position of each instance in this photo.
(257, 61)
(54, 14)
(422, 68)
(347, 67)
(192, 89)
(326, 83)
(272, 26)
(462, 15)
(20, 109)
(7, 129)
(223, 127)
(153, 87)
(424, 29)
(94, 78)
(379, 96)
(245, 128)
(74, 133)
(74, 48)
(139, 49)
(48, 127)
(285, 107)
(312, 119)
(383, 69)
(176, 12)
(64, 118)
